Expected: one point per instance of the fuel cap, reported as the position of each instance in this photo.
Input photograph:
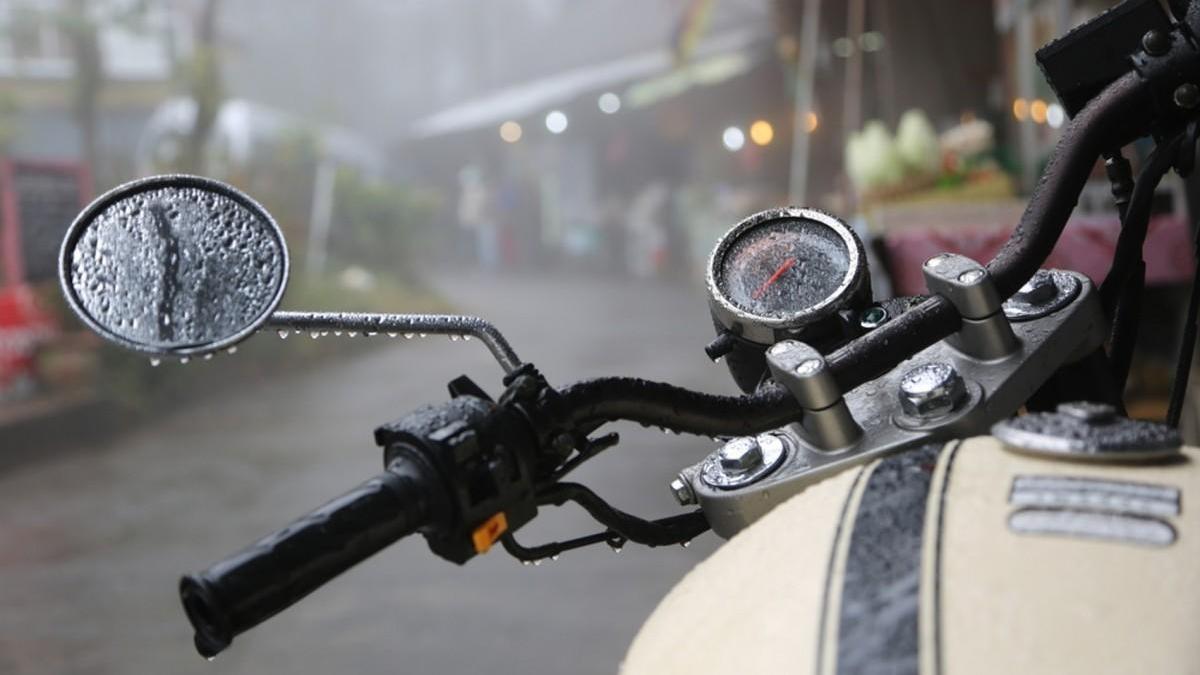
(1086, 431)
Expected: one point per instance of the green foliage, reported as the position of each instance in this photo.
(379, 225)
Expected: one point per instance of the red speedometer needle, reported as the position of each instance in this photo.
(787, 265)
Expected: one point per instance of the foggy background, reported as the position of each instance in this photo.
(560, 167)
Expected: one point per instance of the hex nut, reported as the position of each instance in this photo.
(740, 455)
(682, 491)
(931, 390)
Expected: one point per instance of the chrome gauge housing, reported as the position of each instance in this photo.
(782, 270)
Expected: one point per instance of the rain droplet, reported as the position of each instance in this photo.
(324, 333)
(554, 557)
(231, 351)
(392, 335)
(686, 544)
(423, 335)
(616, 547)
(208, 357)
(408, 336)
(184, 360)
(282, 333)
(454, 338)
(371, 333)
(466, 338)
(315, 334)
(337, 333)
(154, 363)
(537, 563)
(526, 562)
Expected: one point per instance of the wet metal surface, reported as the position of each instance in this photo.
(95, 539)
(174, 264)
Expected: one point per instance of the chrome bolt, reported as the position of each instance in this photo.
(873, 317)
(1187, 96)
(1156, 43)
(682, 491)
(1088, 411)
(809, 367)
(1039, 290)
(971, 276)
(931, 390)
(741, 455)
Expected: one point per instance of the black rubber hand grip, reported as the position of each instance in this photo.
(254, 584)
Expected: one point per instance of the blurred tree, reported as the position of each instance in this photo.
(201, 77)
(80, 27)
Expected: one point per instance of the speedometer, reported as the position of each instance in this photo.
(782, 270)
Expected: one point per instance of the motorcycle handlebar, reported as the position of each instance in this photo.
(252, 585)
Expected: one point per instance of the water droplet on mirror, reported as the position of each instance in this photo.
(154, 363)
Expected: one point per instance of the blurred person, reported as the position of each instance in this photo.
(475, 205)
(646, 250)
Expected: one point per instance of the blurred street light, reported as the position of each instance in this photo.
(871, 41)
(811, 122)
(843, 47)
(1020, 109)
(733, 138)
(556, 121)
(510, 131)
(1055, 116)
(1038, 110)
(609, 103)
(761, 132)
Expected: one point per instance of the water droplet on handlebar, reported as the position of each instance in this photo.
(423, 335)
(392, 335)
(616, 548)
(537, 563)
(408, 336)
(155, 362)
(283, 333)
(208, 357)
(337, 333)
(371, 333)
(454, 338)
(314, 335)
(353, 333)
(466, 338)
(184, 360)
(231, 351)
(526, 562)
(686, 544)
(554, 557)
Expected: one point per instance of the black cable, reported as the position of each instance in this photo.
(1183, 365)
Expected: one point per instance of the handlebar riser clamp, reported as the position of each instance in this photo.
(802, 370)
(985, 333)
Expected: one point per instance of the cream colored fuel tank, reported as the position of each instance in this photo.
(967, 558)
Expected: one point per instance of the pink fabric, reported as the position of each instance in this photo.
(1086, 246)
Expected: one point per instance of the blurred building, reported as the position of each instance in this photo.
(125, 46)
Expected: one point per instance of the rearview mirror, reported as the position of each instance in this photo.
(174, 265)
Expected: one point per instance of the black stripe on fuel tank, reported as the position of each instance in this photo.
(878, 626)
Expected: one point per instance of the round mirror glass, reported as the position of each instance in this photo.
(174, 265)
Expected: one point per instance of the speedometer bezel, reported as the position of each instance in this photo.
(767, 329)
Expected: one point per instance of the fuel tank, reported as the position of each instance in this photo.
(959, 558)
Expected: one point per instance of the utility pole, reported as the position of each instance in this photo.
(805, 72)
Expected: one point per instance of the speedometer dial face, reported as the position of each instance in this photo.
(782, 268)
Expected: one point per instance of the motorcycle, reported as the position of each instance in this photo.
(943, 482)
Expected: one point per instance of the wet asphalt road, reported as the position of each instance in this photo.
(93, 541)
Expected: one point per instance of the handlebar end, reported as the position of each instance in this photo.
(213, 632)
